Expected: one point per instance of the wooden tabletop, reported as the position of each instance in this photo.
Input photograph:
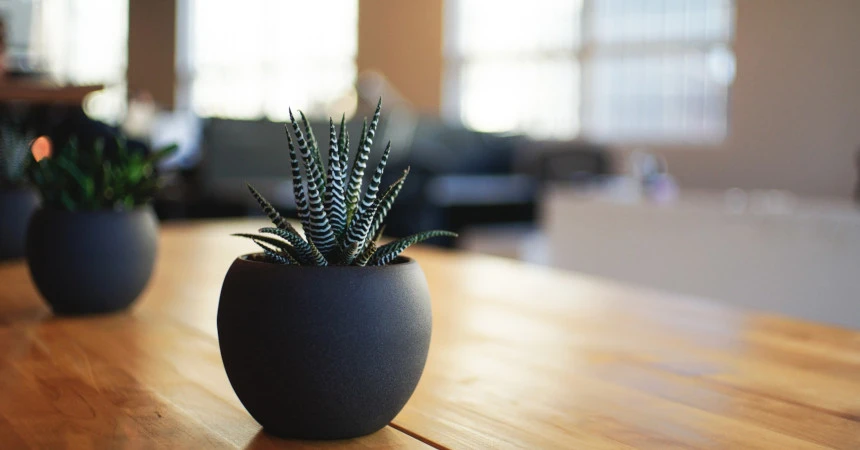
(521, 357)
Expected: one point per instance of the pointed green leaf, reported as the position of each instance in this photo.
(309, 254)
(319, 230)
(270, 211)
(388, 252)
(282, 246)
(385, 205)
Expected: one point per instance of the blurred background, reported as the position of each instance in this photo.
(707, 147)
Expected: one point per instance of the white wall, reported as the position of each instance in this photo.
(795, 105)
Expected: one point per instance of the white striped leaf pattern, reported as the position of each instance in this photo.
(270, 210)
(388, 252)
(307, 252)
(334, 196)
(386, 203)
(341, 225)
(319, 230)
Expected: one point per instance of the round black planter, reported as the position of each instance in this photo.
(91, 262)
(324, 352)
(16, 207)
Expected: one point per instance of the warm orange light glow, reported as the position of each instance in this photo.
(41, 148)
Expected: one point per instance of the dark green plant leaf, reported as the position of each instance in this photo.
(282, 247)
(91, 179)
(335, 201)
(388, 252)
(308, 254)
(359, 163)
(341, 225)
(274, 255)
(319, 229)
(385, 205)
(270, 210)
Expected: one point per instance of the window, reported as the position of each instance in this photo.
(514, 66)
(257, 60)
(85, 42)
(613, 70)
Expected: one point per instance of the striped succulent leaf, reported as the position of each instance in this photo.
(368, 133)
(270, 211)
(14, 152)
(366, 254)
(359, 163)
(333, 158)
(342, 145)
(341, 225)
(371, 131)
(319, 230)
(308, 254)
(273, 254)
(385, 254)
(348, 254)
(313, 165)
(298, 185)
(385, 205)
(373, 187)
(315, 149)
(378, 236)
(344, 155)
(357, 231)
(282, 248)
(335, 204)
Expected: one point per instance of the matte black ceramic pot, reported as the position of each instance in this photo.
(91, 262)
(16, 207)
(324, 352)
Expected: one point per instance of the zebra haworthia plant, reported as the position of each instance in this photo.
(341, 224)
(14, 150)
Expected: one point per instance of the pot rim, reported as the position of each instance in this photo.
(399, 262)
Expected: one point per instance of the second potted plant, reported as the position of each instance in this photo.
(91, 246)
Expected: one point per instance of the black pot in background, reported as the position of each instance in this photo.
(16, 207)
(91, 262)
(324, 352)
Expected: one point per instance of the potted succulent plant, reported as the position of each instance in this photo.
(326, 336)
(91, 246)
(17, 200)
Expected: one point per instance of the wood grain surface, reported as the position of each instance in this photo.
(521, 357)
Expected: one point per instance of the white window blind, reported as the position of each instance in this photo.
(85, 42)
(255, 58)
(514, 65)
(614, 70)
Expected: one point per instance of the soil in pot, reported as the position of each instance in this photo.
(91, 262)
(324, 352)
(16, 207)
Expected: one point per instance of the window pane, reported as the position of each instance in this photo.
(653, 69)
(538, 97)
(513, 65)
(259, 59)
(662, 97)
(86, 42)
(660, 70)
(510, 26)
(313, 88)
(631, 21)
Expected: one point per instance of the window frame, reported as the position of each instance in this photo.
(584, 53)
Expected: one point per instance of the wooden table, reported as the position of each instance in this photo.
(521, 357)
